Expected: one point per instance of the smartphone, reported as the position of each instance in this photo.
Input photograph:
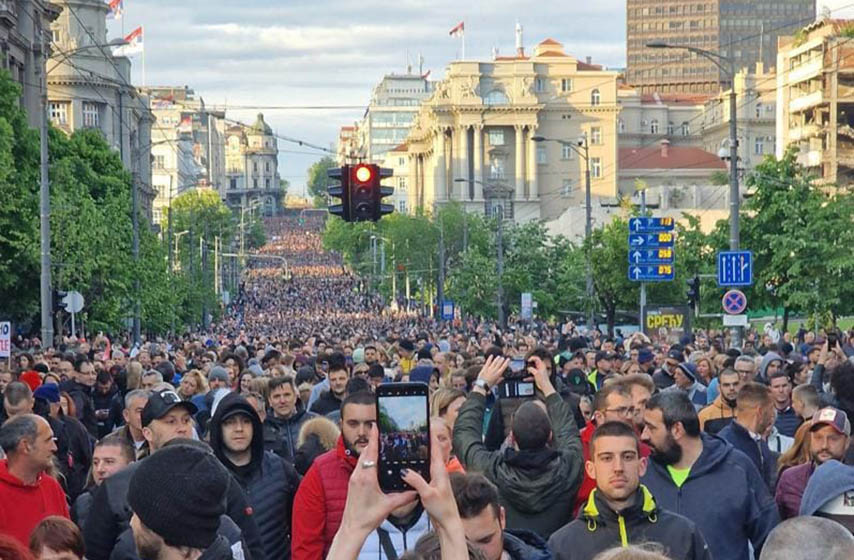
(403, 417)
(517, 364)
(832, 340)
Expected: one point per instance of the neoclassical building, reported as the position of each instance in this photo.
(252, 168)
(473, 139)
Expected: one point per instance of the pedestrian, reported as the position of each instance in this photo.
(57, 538)
(112, 453)
(316, 436)
(717, 415)
(286, 417)
(754, 419)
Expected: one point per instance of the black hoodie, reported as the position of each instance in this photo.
(270, 482)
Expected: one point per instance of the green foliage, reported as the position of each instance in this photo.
(719, 178)
(318, 180)
(608, 247)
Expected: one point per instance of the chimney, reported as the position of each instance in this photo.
(589, 59)
(665, 148)
(520, 48)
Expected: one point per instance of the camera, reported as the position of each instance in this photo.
(515, 384)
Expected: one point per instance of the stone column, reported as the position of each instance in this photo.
(533, 187)
(519, 161)
(463, 188)
(440, 172)
(412, 187)
(478, 161)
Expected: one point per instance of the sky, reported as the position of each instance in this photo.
(285, 58)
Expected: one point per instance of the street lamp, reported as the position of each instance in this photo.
(582, 148)
(727, 66)
(496, 192)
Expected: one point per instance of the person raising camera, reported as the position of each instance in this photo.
(539, 475)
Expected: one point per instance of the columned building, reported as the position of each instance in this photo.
(252, 168)
(473, 139)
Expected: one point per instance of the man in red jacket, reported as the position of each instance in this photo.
(319, 502)
(27, 494)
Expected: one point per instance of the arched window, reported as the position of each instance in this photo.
(653, 126)
(595, 97)
(496, 97)
(686, 128)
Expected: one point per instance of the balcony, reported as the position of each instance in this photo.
(806, 101)
(805, 71)
(8, 13)
(803, 132)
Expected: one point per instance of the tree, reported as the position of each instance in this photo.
(608, 246)
(318, 180)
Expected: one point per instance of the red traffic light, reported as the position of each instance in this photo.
(363, 173)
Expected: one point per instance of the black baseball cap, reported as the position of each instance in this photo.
(161, 402)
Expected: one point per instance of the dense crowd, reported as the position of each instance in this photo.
(260, 440)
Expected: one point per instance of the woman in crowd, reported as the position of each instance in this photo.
(57, 538)
(193, 383)
(316, 436)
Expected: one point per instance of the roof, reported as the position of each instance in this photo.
(260, 127)
(348, 128)
(552, 53)
(550, 41)
(400, 148)
(585, 66)
(678, 157)
(675, 98)
(517, 57)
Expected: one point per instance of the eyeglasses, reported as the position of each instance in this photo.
(624, 411)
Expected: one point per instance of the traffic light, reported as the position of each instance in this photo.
(382, 192)
(340, 190)
(58, 303)
(694, 290)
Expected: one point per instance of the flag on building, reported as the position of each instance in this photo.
(117, 8)
(458, 30)
(133, 44)
(186, 124)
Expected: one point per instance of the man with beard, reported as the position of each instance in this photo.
(754, 418)
(620, 510)
(705, 479)
(830, 433)
(319, 502)
(721, 412)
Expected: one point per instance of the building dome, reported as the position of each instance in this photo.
(260, 127)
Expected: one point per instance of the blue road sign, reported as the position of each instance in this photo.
(735, 268)
(734, 302)
(447, 310)
(651, 273)
(650, 240)
(652, 256)
(647, 224)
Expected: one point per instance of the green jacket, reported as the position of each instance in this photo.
(599, 528)
(536, 488)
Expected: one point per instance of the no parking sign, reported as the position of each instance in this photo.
(5, 339)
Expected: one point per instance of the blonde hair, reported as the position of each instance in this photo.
(442, 399)
(325, 430)
(201, 382)
(134, 375)
(260, 385)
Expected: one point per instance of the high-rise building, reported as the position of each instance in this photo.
(743, 31)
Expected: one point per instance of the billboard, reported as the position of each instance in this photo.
(667, 324)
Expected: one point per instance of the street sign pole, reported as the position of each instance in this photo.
(643, 284)
(735, 268)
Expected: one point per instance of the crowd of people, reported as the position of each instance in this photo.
(260, 440)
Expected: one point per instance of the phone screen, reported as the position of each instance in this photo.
(517, 364)
(404, 426)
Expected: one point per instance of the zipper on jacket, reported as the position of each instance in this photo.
(624, 538)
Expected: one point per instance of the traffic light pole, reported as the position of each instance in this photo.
(44, 214)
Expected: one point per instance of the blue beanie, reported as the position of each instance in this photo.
(827, 482)
(421, 374)
(49, 392)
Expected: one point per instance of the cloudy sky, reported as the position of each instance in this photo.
(286, 58)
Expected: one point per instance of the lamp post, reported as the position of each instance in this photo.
(582, 148)
(727, 66)
(497, 195)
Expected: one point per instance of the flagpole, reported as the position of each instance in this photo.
(142, 31)
(463, 37)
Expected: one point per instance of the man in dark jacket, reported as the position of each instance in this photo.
(164, 418)
(754, 417)
(621, 511)
(269, 481)
(286, 417)
(103, 399)
(705, 479)
(80, 388)
(484, 522)
(330, 401)
(537, 482)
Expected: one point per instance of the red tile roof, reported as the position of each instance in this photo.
(552, 53)
(550, 41)
(678, 157)
(675, 98)
(585, 66)
(399, 148)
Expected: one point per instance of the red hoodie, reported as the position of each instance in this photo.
(23, 506)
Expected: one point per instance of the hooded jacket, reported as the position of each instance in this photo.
(82, 397)
(282, 433)
(769, 357)
(525, 545)
(724, 494)
(536, 487)
(598, 528)
(829, 480)
(716, 416)
(269, 481)
(22, 506)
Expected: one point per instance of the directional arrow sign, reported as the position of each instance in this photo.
(646, 224)
(650, 240)
(651, 256)
(735, 268)
(651, 273)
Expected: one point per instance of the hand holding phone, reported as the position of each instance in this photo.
(403, 418)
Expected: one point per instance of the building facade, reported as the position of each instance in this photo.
(474, 138)
(89, 88)
(815, 99)
(252, 169)
(744, 31)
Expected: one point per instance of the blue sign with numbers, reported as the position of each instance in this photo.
(650, 240)
(648, 224)
(735, 268)
(651, 273)
(651, 256)
(447, 310)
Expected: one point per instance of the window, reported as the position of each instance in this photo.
(267, 167)
(255, 167)
(566, 151)
(671, 128)
(759, 146)
(539, 85)
(496, 137)
(54, 35)
(653, 126)
(59, 112)
(566, 84)
(402, 206)
(267, 183)
(621, 124)
(401, 161)
(542, 156)
(159, 162)
(232, 183)
(686, 129)
(91, 115)
(496, 97)
(758, 110)
(401, 183)
(566, 189)
(595, 97)
(595, 135)
(254, 183)
(596, 167)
